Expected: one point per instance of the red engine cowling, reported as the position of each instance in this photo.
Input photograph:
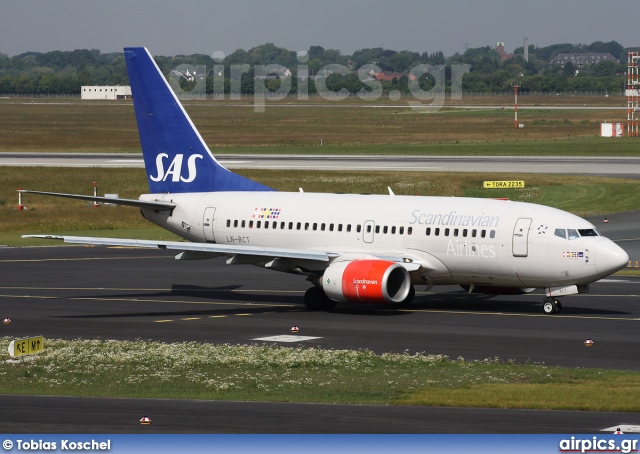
(366, 281)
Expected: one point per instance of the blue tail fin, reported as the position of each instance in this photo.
(175, 156)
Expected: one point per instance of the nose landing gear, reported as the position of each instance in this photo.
(551, 306)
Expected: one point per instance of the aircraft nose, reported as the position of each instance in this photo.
(610, 257)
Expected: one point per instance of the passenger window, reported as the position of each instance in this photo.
(428, 231)
(446, 232)
(322, 226)
(298, 225)
(315, 226)
(266, 224)
(250, 224)
(340, 228)
(290, 225)
(436, 232)
(358, 228)
(409, 230)
(401, 231)
(573, 234)
(348, 227)
(258, 224)
(235, 223)
(368, 229)
(306, 226)
(464, 233)
(483, 234)
(473, 233)
(243, 224)
(377, 229)
(282, 225)
(562, 233)
(393, 230)
(228, 222)
(331, 227)
(492, 234)
(455, 232)
(385, 229)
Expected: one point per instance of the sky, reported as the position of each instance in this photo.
(172, 27)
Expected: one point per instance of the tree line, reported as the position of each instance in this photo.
(64, 72)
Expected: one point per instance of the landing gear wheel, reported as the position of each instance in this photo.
(558, 306)
(316, 300)
(551, 306)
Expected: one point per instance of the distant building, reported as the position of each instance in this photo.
(500, 49)
(583, 59)
(390, 75)
(105, 92)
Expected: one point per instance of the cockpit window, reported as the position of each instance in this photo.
(572, 234)
(562, 233)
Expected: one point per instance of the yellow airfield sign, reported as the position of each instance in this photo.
(503, 184)
(28, 346)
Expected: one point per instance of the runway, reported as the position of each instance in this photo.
(628, 167)
(70, 292)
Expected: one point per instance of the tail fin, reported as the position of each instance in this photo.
(176, 157)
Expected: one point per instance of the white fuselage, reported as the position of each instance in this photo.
(482, 242)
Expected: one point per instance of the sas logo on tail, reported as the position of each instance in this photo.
(175, 168)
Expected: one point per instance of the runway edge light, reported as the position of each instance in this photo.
(588, 342)
(145, 420)
(294, 329)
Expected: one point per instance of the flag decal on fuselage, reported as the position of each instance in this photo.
(266, 213)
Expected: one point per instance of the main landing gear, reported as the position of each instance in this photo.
(551, 306)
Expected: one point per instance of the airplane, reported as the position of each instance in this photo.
(371, 249)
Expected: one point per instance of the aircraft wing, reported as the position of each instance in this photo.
(240, 254)
(116, 201)
(208, 249)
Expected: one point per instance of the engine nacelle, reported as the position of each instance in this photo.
(366, 281)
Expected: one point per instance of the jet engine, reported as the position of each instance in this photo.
(366, 281)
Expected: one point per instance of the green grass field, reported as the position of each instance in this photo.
(297, 374)
(341, 128)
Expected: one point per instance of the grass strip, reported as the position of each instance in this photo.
(299, 374)
(341, 129)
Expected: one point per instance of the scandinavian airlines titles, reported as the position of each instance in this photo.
(454, 219)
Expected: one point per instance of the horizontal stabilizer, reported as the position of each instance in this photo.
(113, 200)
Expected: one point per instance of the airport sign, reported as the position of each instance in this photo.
(28, 346)
(503, 184)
